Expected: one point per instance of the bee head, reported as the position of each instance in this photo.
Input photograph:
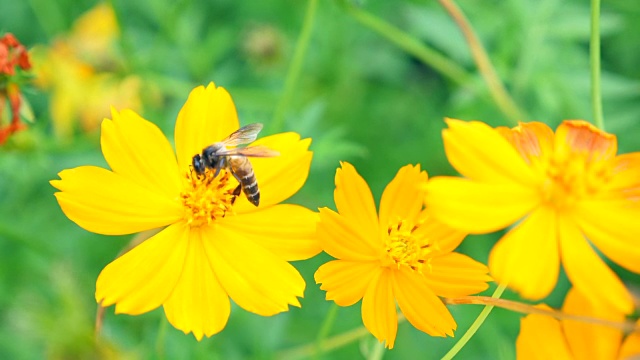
(198, 164)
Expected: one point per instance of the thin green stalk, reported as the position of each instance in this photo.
(498, 92)
(295, 69)
(160, 338)
(327, 324)
(411, 45)
(596, 95)
(475, 326)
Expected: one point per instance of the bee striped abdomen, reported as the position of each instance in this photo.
(243, 172)
(250, 188)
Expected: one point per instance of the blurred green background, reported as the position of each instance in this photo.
(361, 99)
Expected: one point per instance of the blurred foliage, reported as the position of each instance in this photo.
(360, 98)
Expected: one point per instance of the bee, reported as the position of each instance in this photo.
(217, 157)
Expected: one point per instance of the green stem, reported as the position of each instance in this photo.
(160, 338)
(277, 123)
(498, 92)
(596, 95)
(410, 44)
(475, 326)
(327, 324)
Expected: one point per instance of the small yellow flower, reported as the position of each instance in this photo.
(566, 188)
(82, 70)
(402, 255)
(543, 337)
(212, 248)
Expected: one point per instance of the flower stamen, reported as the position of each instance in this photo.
(403, 248)
(207, 198)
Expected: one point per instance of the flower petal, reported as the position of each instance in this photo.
(590, 341)
(588, 273)
(282, 176)
(208, 116)
(346, 281)
(256, 279)
(104, 202)
(339, 238)
(379, 309)
(143, 278)
(626, 176)
(445, 238)
(630, 346)
(480, 153)
(288, 231)
(137, 150)
(527, 257)
(579, 136)
(198, 303)
(541, 338)
(403, 197)
(613, 229)
(533, 140)
(475, 207)
(354, 202)
(423, 309)
(454, 275)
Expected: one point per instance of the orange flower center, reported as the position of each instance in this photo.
(206, 198)
(573, 178)
(403, 248)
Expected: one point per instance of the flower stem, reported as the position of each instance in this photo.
(162, 333)
(409, 44)
(503, 100)
(530, 309)
(475, 326)
(596, 95)
(326, 328)
(277, 123)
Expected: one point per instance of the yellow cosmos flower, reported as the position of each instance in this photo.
(566, 187)
(214, 246)
(542, 337)
(401, 255)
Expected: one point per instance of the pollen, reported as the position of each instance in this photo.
(405, 249)
(207, 198)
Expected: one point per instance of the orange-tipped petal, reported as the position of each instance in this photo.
(288, 231)
(541, 338)
(476, 207)
(480, 153)
(581, 137)
(454, 275)
(403, 197)
(255, 279)
(137, 150)
(379, 309)
(588, 273)
(527, 257)
(281, 176)
(198, 304)
(143, 278)
(423, 309)
(209, 115)
(590, 341)
(346, 281)
(104, 202)
(341, 239)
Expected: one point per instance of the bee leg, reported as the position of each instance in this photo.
(236, 192)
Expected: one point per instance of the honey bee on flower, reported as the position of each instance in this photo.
(214, 246)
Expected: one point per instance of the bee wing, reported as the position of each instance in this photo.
(252, 151)
(244, 135)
